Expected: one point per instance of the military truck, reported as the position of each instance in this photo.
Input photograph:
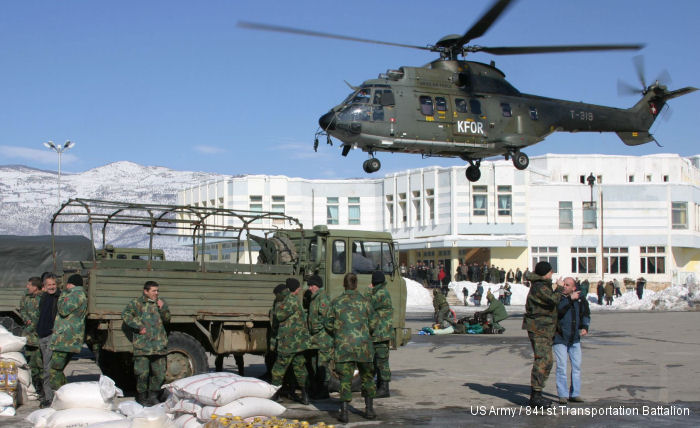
(220, 299)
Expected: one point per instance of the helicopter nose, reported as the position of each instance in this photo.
(327, 121)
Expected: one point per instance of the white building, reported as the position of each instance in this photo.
(641, 216)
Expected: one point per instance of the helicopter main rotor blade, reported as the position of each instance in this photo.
(625, 89)
(520, 50)
(638, 61)
(290, 30)
(483, 24)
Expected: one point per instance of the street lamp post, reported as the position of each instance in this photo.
(59, 149)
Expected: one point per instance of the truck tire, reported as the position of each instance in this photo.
(186, 357)
(119, 366)
(11, 325)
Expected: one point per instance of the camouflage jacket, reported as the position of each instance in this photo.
(318, 312)
(352, 320)
(439, 301)
(69, 328)
(292, 334)
(541, 307)
(29, 311)
(142, 312)
(384, 312)
(274, 325)
(496, 308)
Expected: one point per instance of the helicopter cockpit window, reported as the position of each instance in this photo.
(505, 107)
(533, 113)
(440, 104)
(355, 113)
(461, 105)
(426, 105)
(475, 106)
(362, 96)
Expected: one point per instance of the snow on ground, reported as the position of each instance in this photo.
(678, 297)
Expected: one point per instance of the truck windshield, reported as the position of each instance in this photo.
(369, 256)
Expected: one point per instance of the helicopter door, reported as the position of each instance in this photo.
(434, 116)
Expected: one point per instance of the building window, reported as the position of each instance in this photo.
(255, 205)
(479, 200)
(332, 210)
(589, 215)
(648, 178)
(679, 215)
(278, 207)
(665, 178)
(402, 208)
(652, 260)
(390, 209)
(430, 203)
(565, 178)
(545, 254)
(566, 215)
(615, 260)
(354, 210)
(416, 207)
(599, 179)
(505, 200)
(583, 260)
(582, 179)
(630, 179)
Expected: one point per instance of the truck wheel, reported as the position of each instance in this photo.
(186, 357)
(119, 366)
(11, 325)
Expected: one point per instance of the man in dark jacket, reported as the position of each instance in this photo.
(641, 282)
(574, 318)
(48, 308)
(600, 291)
(540, 321)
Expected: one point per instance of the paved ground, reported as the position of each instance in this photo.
(632, 363)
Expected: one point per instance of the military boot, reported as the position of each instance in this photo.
(142, 398)
(322, 392)
(38, 383)
(304, 397)
(537, 400)
(382, 390)
(343, 415)
(369, 408)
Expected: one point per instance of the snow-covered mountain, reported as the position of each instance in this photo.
(28, 196)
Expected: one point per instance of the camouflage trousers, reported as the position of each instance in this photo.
(283, 361)
(443, 314)
(543, 362)
(33, 355)
(59, 361)
(381, 361)
(345, 372)
(150, 372)
(320, 360)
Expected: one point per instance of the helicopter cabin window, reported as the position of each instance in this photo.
(440, 104)
(505, 107)
(460, 105)
(362, 96)
(533, 113)
(426, 105)
(475, 106)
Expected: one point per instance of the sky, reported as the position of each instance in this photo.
(178, 84)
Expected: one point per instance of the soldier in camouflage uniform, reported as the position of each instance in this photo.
(381, 336)
(441, 307)
(271, 354)
(146, 317)
(29, 312)
(69, 329)
(540, 321)
(352, 321)
(292, 339)
(321, 345)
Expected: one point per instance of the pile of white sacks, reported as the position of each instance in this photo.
(10, 350)
(195, 399)
(191, 403)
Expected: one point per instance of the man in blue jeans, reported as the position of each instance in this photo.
(574, 317)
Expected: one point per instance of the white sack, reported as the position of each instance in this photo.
(80, 418)
(11, 343)
(5, 399)
(7, 411)
(38, 417)
(24, 376)
(187, 421)
(92, 395)
(152, 417)
(218, 389)
(3, 329)
(125, 423)
(245, 408)
(129, 408)
(186, 405)
(15, 356)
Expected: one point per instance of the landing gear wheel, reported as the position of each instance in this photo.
(473, 173)
(520, 160)
(371, 165)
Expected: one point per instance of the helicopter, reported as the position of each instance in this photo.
(452, 107)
